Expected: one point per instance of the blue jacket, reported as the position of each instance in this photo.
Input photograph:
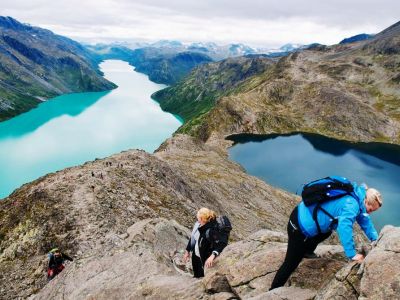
(346, 210)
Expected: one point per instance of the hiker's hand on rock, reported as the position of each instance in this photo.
(186, 256)
(358, 258)
(210, 261)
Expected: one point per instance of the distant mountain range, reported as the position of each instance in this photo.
(218, 52)
(36, 64)
(168, 62)
(163, 65)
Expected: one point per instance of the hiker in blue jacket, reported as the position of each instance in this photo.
(304, 235)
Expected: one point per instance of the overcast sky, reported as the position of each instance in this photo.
(254, 22)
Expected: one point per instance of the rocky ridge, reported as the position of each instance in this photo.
(243, 271)
(125, 220)
(82, 213)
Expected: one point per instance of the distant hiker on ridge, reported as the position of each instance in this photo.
(209, 237)
(56, 263)
(332, 203)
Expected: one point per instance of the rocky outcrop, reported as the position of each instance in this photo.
(378, 277)
(248, 267)
(143, 264)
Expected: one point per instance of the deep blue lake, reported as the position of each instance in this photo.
(74, 128)
(290, 161)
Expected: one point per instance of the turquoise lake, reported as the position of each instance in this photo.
(290, 161)
(74, 128)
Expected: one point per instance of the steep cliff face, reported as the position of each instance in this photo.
(36, 64)
(348, 91)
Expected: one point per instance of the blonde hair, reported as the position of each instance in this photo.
(206, 214)
(373, 195)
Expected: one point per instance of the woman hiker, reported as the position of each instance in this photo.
(304, 234)
(206, 241)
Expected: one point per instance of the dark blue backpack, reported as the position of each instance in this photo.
(223, 227)
(324, 190)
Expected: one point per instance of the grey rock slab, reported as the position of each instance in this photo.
(286, 293)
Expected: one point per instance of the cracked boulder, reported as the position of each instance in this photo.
(247, 268)
(378, 277)
(381, 270)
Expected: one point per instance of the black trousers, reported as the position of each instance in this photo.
(298, 245)
(198, 267)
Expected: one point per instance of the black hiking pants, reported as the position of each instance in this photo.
(298, 245)
(198, 268)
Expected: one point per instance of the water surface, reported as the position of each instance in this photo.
(71, 129)
(289, 162)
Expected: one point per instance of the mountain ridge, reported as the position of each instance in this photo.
(79, 212)
(140, 214)
(303, 91)
(36, 64)
(208, 82)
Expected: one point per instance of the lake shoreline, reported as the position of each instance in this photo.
(74, 128)
(291, 160)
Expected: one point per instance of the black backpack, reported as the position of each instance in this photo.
(324, 190)
(223, 227)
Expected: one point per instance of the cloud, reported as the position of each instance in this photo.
(256, 22)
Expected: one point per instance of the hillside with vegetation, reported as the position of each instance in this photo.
(164, 67)
(349, 91)
(194, 96)
(36, 64)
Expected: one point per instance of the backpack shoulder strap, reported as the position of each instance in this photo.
(315, 216)
(213, 232)
(208, 234)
